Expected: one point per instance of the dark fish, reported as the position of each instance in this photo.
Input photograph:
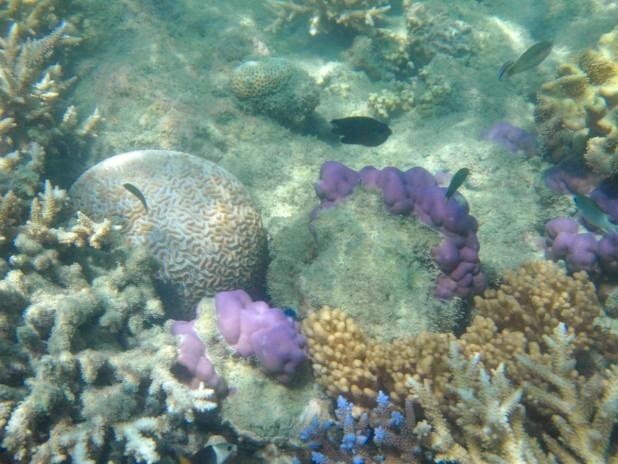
(361, 130)
(458, 179)
(529, 59)
(137, 192)
(290, 312)
(594, 215)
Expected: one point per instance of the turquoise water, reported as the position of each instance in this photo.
(478, 354)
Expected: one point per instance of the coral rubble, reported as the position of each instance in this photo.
(577, 113)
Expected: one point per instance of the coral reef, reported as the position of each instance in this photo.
(513, 319)
(358, 15)
(486, 417)
(277, 88)
(289, 404)
(577, 114)
(390, 53)
(201, 223)
(80, 325)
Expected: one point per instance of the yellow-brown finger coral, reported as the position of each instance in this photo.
(577, 113)
(339, 351)
(538, 296)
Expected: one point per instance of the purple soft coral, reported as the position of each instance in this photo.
(512, 138)
(253, 328)
(416, 192)
(192, 357)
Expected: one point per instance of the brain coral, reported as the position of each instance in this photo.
(275, 87)
(577, 114)
(200, 224)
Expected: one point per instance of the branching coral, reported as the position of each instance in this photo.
(577, 114)
(584, 411)
(474, 416)
(83, 327)
(324, 14)
(30, 93)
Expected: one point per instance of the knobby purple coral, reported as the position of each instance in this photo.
(416, 192)
(512, 138)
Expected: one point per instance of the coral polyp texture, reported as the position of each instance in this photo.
(200, 224)
(277, 88)
(577, 114)
(323, 15)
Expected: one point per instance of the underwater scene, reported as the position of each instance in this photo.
(309, 231)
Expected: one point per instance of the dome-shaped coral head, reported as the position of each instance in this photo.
(253, 328)
(200, 224)
(277, 88)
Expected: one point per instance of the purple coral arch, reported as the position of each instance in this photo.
(253, 328)
(416, 192)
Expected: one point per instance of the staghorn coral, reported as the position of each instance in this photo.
(82, 326)
(359, 15)
(33, 122)
(583, 411)
(201, 223)
(489, 417)
(577, 114)
(277, 88)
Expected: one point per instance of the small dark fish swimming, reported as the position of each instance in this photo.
(456, 182)
(361, 130)
(137, 192)
(529, 59)
(290, 313)
(594, 215)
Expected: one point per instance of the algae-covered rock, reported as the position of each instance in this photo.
(375, 266)
(276, 88)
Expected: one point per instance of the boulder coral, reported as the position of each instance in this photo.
(577, 113)
(277, 88)
(201, 223)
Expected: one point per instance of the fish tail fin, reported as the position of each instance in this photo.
(503, 72)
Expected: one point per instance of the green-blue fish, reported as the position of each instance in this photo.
(458, 179)
(594, 215)
(529, 59)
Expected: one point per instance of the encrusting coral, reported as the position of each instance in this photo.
(577, 114)
(324, 14)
